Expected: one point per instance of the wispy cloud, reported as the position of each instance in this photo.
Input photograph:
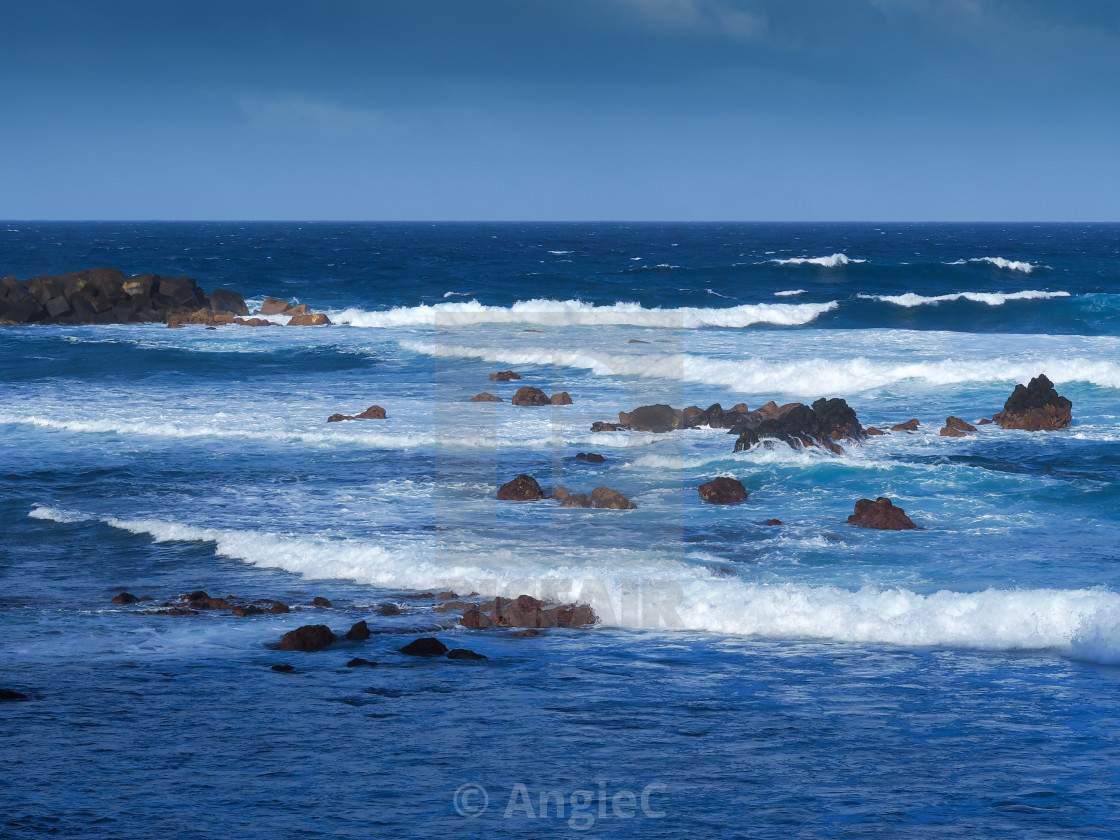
(299, 112)
(728, 18)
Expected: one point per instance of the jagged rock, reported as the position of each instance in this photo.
(320, 601)
(485, 397)
(223, 300)
(561, 399)
(723, 491)
(910, 425)
(315, 319)
(799, 425)
(590, 457)
(603, 426)
(1036, 407)
(528, 395)
(358, 662)
(463, 653)
(309, 638)
(424, 647)
(880, 514)
(524, 488)
(608, 499)
(125, 598)
(359, 632)
(956, 427)
(653, 418)
(871, 431)
(504, 376)
(374, 412)
(527, 611)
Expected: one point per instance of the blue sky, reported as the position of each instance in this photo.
(561, 109)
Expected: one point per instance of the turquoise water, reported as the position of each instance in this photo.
(809, 679)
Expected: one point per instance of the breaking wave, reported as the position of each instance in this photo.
(831, 261)
(910, 299)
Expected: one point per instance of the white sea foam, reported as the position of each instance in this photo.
(910, 299)
(1083, 623)
(831, 261)
(999, 262)
(556, 313)
(457, 294)
(789, 293)
(808, 377)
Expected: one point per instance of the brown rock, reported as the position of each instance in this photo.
(590, 457)
(527, 611)
(302, 309)
(637, 341)
(320, 601)
(125, 598)
(485, 397)
(359, 632)
(424, 647)
(723, 491)
(374, 412)
(773, 522)
(880, 514)
(909, 426)
(314, 320)
(528, 395)
(309, 638)
(1037, 407)
(504, 376)
(872, 431)
(608, 499)
(560, 494)
(524, 488)
(338, 418)
(223, 300)
(603, 426)
(956, 427)
(653, 418)
(576, 500)
(986, 421)
(274, 306)
(561, 399)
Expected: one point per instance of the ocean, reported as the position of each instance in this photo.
(808, 679)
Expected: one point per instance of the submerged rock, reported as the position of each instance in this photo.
(284, 668)
(463, 653)
(603, 426)
(427, 646)
(485, 397)
(882, 515)
(504, 376)
(7, 694)
(524, 488)
(374, 412)
(1036, 407)
(723, 491)
(358, 662)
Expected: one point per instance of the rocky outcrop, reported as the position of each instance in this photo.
(224, 300)
(524, 488)
(956, 427)
(485, 397)
(528, 395)
(358, 633)
(825, 423)
(608, 499)
(527, 611)
(504, 376)
(653, 418)
(723, 491)
(603, 426)
(561, 399)
(881, 514)
(715, 417)
(1036, 407)
(910, 425)
(426, 646)
(308, 639)
(315, 319)
(374, 412)
(125, 598)
(590, 457)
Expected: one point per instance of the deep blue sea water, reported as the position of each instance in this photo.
(806, 680)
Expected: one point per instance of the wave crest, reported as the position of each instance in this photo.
(832, 261)
(910, 299)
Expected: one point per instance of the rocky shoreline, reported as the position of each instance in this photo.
(107, 296)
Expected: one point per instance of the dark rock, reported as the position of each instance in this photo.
(605, 497)
(302, 309)
(447, 596)
(773, 522)
(529, 395)
(201, 601)
(463, 653)
(956, 427)
(723, 491)
(320, 601)
(388, 609)
(653, 418)
(485, 397)
(424, 647)
(590, 457)
(176, 611)
(358, 633)
(527, 611)
(475, 619)
(576, 500)
(223, 300)
(278, 608)
(871, 431)
(284, 668)
(986, 421)
(524, 488)
(1035, 408)
(247, 610)
(374, 412)
(358, 662)
(561, 399)
(910, 425)
(637, 341)
(309, 638)
(603, 426)
(504, 376)
(274, 306)
(799, 425)
(6, 694)
(880, 514)
(338, 418)
(125, 598)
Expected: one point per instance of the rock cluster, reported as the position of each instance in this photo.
(527, 611)
(374, 412)
(825, 423)
(956, 427)
(1036, 407)
(882, 515)
(601, 497)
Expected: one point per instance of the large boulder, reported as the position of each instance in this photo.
(528, 395)
(426, 646)
(723, 491)
(824, 424)
(653, 418)
(561, 399)
(608, 499)
(524, 488)
(309, 638)
(223, 300)
(504, 376)
(881, 514)
(274, 306)
(1036, 407)
(315, 319)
